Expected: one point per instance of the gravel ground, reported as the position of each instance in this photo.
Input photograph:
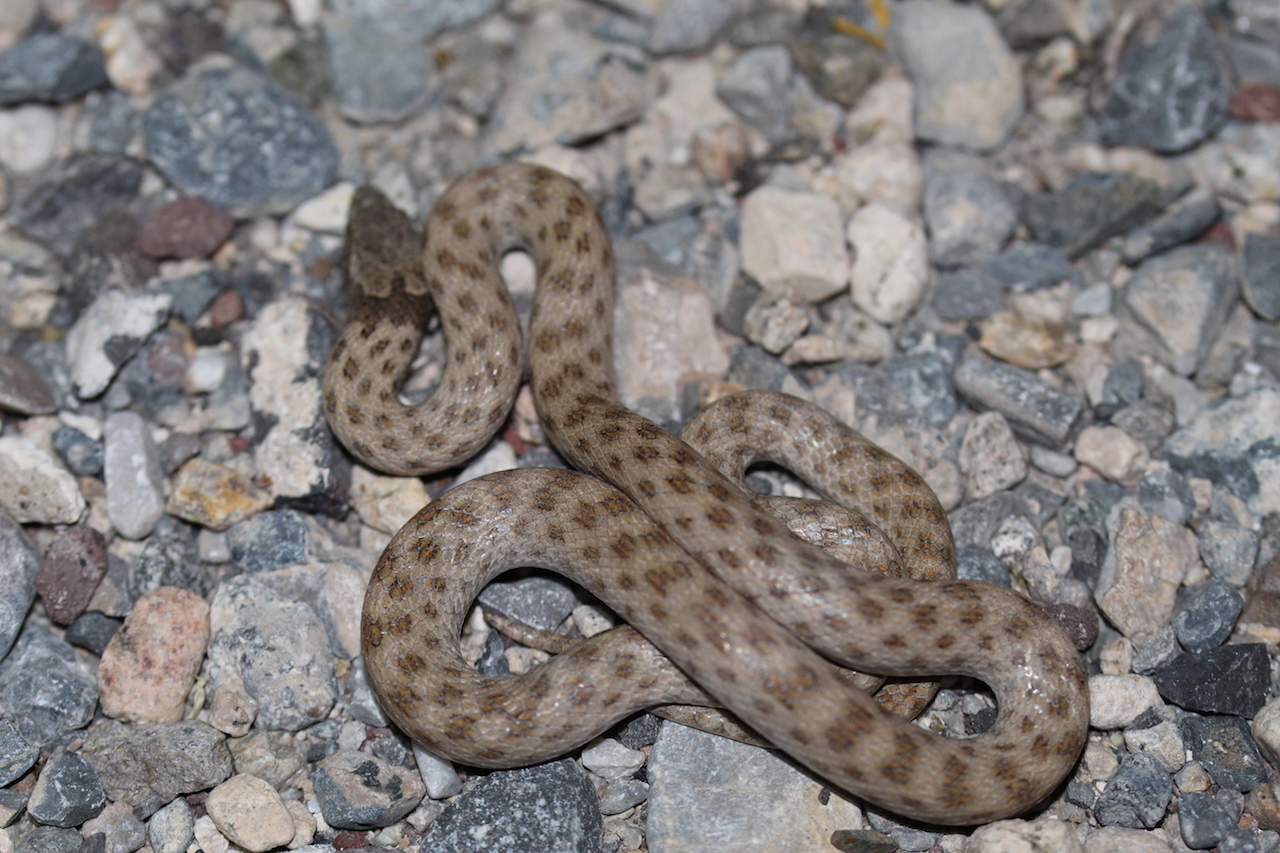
(1030, 246)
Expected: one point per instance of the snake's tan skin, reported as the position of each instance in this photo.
(682, 553)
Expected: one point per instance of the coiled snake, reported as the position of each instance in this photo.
(727, 608)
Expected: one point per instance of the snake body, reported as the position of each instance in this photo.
(727, 607)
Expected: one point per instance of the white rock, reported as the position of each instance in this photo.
(1115, 701)
(326, 212)
(891, 263)
(135, 482)
(791, 241)
(1021, 836)
(437, 773)
(35, 487)
(113, 315)
(28, 135)
(612, 760)
(1111, 452)
(386, 503)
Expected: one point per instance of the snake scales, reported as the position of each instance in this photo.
(687, 557)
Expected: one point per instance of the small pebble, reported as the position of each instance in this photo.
(1224, 680)
(250, 813)
(70, 570)
(67, 793)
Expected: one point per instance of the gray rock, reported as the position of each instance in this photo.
(925, 378)
(240, 141)
(50, 839)
(968, 83)
(92, 631)
(1137, 795)
(172, 828)
(547, 807)
(277, 649)
(1203, 820)
(982, 566)
(150, 767)
(68, 791)
(23, 388)
(135, 481)
(967, 294)
(80, 192)
(1091, 209)
(1226, 748)
(1034, 408)
(19, 562)
(358, 791)
(683, 26)
(1176, 303)
(379, 68)
(1234, 445)
(969, 213)
(422, 18)
(711, 793)
(759, 86)
(1171, 92)
(16, 755)
(1029, 267)
(1205, 617)
(108, 333)
(566, 87)
(623, 794)
(45, 687)
(83, 455)
(1171, 229)
(1229, 551)
(271, 540)
(52, 68)
(540, 602)
(839, 67)
(1262, 275)
(1165, 492)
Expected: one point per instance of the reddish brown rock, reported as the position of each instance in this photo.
(71, 569)
(187, 228)
(151, 662)
(1255, 102)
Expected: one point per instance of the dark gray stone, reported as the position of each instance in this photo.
(1225, 680)
(1225, 441)
(1171, 92)
(23, 388)
(270, 540)
(45, 688)
(1262, 275)
(92, 631)
(68, 791)
(1122, 387)
(1172, 229)
(1165, 493)
(925, 379)
(975, 523)
(82, 454)
(1035, 409)
(548, 807)
(752, 367)
(1029, 267)
(969, 213)
(16, 755)
(967, 294)
(1203, 820)
(982, 566)
(1091, 209)
(1205, 617)
(240, 141)
(1137, 795)
(82, 191)
(52, 68)
(19, 562)
(50, 839)
(1226, 749)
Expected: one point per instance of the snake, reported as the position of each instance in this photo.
(724, 607)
